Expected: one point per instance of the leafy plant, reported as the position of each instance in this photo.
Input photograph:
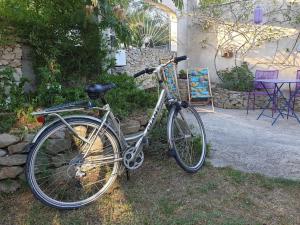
(6, 122)
(238, 78)
(142, 20)
(51, 91)
(67, 33)
(127, 98)
(182, 74)
(12, 95)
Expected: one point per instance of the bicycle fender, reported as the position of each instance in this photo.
(44, 128)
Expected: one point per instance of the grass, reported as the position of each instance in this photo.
(161, 193)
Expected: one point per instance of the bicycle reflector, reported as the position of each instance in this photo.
(41, 119)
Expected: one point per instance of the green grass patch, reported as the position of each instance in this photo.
(161, 193)
(235, 175)
(209, 186)
(167, 207)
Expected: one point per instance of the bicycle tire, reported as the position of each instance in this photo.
(30, 164)
(174, 150)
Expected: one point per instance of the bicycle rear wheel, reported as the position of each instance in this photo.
(187, 139)
(59, 173)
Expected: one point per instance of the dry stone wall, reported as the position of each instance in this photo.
(139, 59)
(183, 90)
(14, 150)
(13, 155)
(227, 99)
(11, 56)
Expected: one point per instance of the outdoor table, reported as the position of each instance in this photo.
(287, 107)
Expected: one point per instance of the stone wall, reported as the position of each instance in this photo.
(14, 150)
(11, 56)
(13, 154)
(227, 99)
(139, 59)
(183, 90)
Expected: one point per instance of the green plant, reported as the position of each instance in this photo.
(7, 121)
(238, 78)
(182, 74)
(127, 98)
(51, 91)
(24, 115)
(12, 95)
(67, 33)
(142, 20)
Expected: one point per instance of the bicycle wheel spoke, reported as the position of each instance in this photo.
(187, 138)
(61, 171)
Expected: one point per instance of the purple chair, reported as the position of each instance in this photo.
(297, 88)
(259, 90)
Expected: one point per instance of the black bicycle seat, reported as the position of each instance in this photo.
(94, 91)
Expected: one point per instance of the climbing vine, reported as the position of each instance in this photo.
(237, 35)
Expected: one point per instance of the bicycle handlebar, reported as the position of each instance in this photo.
(179, 59)
(146, 70)
(150, 70)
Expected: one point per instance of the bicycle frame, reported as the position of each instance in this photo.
(138, 138)
(164, 97)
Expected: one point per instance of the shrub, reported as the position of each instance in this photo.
(12, 95)
(239, 78)
(127, 98)
(51, 91)
(6, 122)
(67, 32)
(182, 74)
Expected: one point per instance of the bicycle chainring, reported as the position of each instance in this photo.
(133, 164)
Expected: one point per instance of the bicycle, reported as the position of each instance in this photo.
(74, 159)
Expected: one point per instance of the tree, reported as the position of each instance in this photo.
(65, 35)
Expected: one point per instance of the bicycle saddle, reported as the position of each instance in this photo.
(94, 91)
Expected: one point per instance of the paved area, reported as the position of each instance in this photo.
(244, 143)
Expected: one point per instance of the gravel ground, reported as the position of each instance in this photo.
(244, 143)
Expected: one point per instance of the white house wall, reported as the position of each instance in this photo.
(201, 49)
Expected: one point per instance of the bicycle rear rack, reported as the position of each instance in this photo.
(67, 107)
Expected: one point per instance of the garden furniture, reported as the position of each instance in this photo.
(287, 105)
(199, 89)
(296, 88)
(259, 90)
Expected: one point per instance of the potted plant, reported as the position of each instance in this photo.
(182, 74)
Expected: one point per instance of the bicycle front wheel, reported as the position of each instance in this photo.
(187, 138)
(62, 173)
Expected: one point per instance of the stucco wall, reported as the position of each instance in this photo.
(201, 48)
